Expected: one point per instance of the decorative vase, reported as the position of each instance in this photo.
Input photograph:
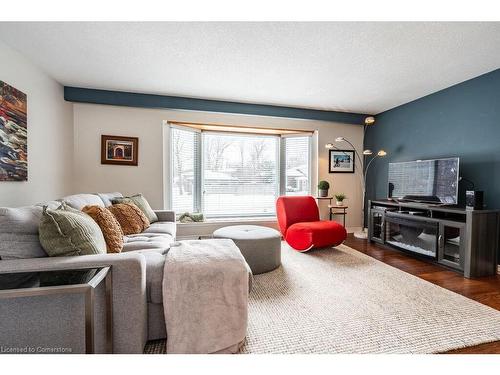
(339, 203)
(323, 193)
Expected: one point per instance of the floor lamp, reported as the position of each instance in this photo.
(363, 234)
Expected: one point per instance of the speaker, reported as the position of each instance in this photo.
(474, 200)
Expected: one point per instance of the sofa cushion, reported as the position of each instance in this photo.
(77, 201)
(155, 262)
(140, 202)
(107, 197)
(19, 233)
(162, 227)
(50, 204)
(131, 218)
(147, 241)
(66, 231)
(109, 226)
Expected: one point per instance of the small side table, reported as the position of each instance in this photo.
(335, 210)
(68, 281)
(322, 198)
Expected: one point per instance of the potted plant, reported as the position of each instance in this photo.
(339, 199)
(323, 187)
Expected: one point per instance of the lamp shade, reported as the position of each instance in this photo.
(329, 146)
(367, 152)
(339, 139)
(381, 153)
(370, 120)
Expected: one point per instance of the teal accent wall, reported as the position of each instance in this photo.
(130, 99)
(462, 120)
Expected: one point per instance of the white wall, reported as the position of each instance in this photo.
(50, 133)
(91, 121)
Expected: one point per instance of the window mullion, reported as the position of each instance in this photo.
(282, 166)
(198, 193)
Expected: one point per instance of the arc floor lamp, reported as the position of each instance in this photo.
(365, 160)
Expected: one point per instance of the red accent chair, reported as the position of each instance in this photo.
(298, 219)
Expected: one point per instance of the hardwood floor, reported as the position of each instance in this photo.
(485, 290)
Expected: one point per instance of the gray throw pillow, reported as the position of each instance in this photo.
(107, 197)
(140, 202)
(19, 233)
(66, 231)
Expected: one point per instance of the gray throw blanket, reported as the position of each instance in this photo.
(205, 297)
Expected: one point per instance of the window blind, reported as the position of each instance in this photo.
(185, 167)
(297, 165)
(224, 174)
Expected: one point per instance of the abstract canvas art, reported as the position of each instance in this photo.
(13, 134)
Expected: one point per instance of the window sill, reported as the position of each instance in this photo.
(205, 229)
(233, 220)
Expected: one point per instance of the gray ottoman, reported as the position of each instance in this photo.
(261, 246)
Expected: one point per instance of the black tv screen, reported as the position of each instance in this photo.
(430, 181)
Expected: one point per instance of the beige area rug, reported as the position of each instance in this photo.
(341, 301)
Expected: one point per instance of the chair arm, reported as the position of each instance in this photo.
(165, 215)
(129, 291)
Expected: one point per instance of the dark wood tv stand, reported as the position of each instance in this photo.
(466, 241)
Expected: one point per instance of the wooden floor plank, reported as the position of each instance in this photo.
(485, 290)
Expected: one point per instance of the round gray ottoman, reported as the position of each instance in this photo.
(261, 246)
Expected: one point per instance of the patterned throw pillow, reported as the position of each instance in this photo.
(66, 231)
(110, 227)
(140, 202)
(131, 218)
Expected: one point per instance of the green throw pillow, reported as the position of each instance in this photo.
(66, 231)
(140, 202)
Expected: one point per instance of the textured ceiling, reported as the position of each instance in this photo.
(352, 66)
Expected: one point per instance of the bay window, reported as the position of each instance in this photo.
(236, 174)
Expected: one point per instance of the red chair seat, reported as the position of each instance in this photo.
(298, 219)
(307, 235)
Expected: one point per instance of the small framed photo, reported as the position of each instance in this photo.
(119, 150)
(341, 161)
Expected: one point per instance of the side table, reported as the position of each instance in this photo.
(69, 281)
(322, 198)
(335, 210)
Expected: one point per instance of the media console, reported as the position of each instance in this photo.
(464, 240)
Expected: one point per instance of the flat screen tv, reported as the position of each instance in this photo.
(427, 181)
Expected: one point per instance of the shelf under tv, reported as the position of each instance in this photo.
(466, 241)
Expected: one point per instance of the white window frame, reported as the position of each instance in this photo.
(198, 201)
(196, 174)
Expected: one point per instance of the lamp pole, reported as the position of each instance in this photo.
(364, 172)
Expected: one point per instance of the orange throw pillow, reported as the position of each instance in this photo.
(131, 218)
(110, 227)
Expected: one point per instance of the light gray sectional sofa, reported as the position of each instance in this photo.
(137, 283)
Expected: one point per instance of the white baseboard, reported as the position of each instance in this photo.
(353, 229)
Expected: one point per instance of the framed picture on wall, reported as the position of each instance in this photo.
(341, 161)
(119, 150)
